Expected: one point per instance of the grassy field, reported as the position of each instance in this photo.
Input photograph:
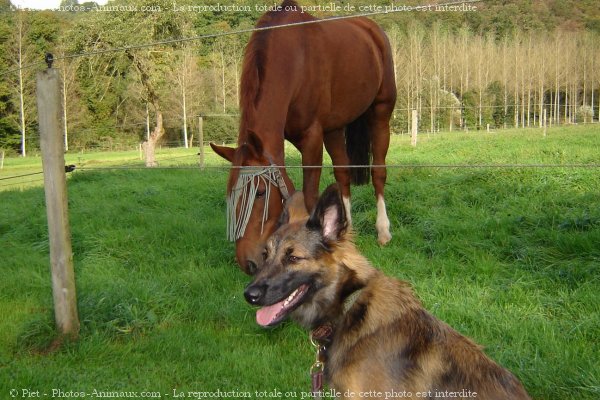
(508, 256)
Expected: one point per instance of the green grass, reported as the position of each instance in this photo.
(508, 256)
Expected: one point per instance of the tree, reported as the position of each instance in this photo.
(188, 81)
(9, 132)
(32, 34)
(20, 44)
(68, 4)
(502, 65)
(148, 66)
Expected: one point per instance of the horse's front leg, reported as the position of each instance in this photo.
(312, 158)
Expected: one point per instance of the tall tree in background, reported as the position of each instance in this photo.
(541, 66)
(68, 68)
(9, 127)
(226, 60)
(20, 53)
(33, 35)
(148, 66)
(186, 76)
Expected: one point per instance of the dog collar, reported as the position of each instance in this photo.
(350, 300)
(322, 333)
(318, 338)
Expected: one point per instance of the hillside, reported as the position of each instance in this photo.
(505, 16)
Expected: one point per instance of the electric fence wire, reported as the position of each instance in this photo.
(227, 168)
(19, 176)
(391, 166)
(236, 32)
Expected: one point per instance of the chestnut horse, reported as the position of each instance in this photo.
(326, 83)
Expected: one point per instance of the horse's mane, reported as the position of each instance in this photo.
(255, 59)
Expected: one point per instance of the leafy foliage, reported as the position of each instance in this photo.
(106, 97)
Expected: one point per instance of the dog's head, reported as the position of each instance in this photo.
(297, 274)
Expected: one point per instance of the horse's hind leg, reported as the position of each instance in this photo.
(380, 140)
(335, 144)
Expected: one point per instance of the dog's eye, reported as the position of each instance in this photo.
(290, 258)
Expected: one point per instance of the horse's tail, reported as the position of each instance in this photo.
(358, 148)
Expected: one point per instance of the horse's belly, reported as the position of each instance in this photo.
(343, 97)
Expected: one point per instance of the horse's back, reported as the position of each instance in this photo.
(326, 73)
(364, 64)
(336, 69)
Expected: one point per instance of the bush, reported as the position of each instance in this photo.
(585, 113)
(221, 129)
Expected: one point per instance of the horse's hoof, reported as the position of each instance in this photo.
(384, 238)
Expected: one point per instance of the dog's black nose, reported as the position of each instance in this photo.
(253, 294)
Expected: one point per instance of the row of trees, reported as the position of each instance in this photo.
(470, 80)
(458, 72)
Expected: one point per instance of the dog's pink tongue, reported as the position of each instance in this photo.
(266, 315)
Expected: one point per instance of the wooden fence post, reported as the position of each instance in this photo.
(201, 140)
(49, 105)
(414, 128)
(2, 159)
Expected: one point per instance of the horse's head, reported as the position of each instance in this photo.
(256, 190)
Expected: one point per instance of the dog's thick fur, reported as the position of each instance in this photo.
(383, 339)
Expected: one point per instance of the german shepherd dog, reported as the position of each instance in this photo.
(381, 342)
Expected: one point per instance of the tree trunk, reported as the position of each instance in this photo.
(236, 59)
(21, 94)
(592, 97)
(566, 102)
(529, 82)
(557, 84)
(522, 95)
(504, 81)
(158, 131)
(65, 125)
(147, 122)
(150, 144)
(584, 92)
(223, 81)
(541, 96)
(22, 111)
(183, 98)
(452, 110)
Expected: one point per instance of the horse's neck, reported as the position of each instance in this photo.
(270, 129)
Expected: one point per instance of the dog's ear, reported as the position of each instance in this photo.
(294, 209)
(329, 216)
